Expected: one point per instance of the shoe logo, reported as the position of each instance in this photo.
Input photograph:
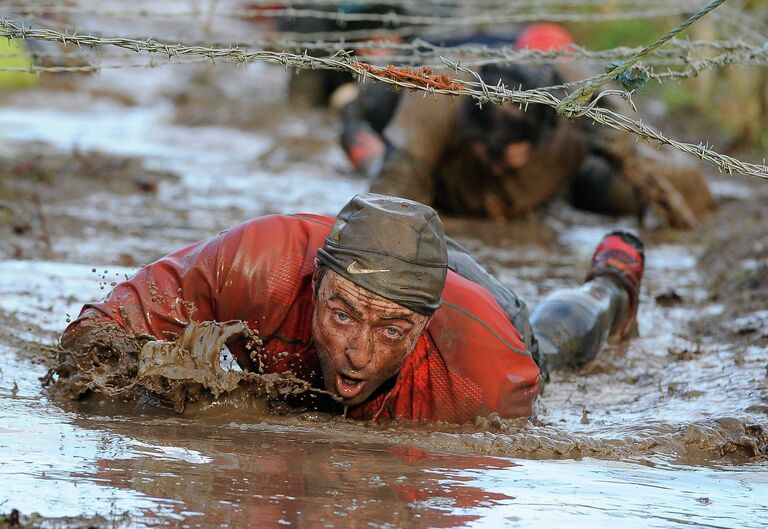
(353, 268)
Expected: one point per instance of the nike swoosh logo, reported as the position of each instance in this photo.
(353, 268)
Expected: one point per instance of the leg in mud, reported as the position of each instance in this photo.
(572, 325)
(630, 179)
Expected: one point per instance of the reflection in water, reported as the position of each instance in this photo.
(214, 474)
(265, 480)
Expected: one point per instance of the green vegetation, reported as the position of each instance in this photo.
(730, 104)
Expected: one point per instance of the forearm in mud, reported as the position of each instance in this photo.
(102, 358)
(96, 356)
(572, 325)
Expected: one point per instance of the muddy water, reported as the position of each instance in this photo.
(660, 432)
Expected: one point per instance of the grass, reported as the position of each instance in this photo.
(734, 100)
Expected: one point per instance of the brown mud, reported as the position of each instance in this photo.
(38, 185)
(735, 264)
(667, 430)
(16, 520)
(194, 369)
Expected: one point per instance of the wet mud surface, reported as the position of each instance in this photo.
(99, 176)
(15, 520)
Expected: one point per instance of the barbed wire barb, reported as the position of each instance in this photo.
(402, 78)
(586, 93)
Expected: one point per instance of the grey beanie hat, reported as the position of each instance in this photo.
(392, 247)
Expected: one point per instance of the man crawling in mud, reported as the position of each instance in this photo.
(377, 310)
(501, 161)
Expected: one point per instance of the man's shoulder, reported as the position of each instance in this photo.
(276, 231)
(471, 319)
(264, 266)
(286, 220)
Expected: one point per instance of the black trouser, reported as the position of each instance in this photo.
(599, 187)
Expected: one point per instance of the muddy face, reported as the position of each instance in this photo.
(512, 156)
(509, 137)
(362, 339)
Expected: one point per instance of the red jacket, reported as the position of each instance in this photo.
(470, 361)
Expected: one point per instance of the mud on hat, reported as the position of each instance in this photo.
(392, 247)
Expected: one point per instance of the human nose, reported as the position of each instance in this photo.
(517, 154)
(359, 350)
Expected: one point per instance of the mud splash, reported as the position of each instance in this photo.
(195, 368)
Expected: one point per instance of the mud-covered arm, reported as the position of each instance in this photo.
(251, 272)
(418, 135)
(103, 345)
(160, 299)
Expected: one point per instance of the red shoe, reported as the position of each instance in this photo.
(621, 255)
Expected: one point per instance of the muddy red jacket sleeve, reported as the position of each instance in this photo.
(165, 295)
(249, 272)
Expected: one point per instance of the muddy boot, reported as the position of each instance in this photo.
(621, 257)
(572, 325)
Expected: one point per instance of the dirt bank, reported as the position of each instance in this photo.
(735, 265)
(16, 520)
(40, 188)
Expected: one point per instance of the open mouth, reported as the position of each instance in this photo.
(348, 387)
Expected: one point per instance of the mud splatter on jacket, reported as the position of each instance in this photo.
(470, 361)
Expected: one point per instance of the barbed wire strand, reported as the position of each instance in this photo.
(753, 57)
(430, 25)
(681, 48)
(681, 53)
(478, 89)
(571, 54)
(587, 92)
(739, 23)
(391, 20)
(647, 73)
(336, 8)
(96, 68)
(480, 4)
(417, 47)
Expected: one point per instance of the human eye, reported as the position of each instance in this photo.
(393, 333)
(340, 316)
